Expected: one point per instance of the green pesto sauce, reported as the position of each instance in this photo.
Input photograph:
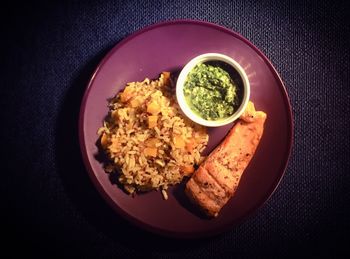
(210, 92)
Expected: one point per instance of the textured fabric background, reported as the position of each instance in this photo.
(49, 52)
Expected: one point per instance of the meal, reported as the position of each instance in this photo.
(210, 92)
(149, 143)
(217, 178)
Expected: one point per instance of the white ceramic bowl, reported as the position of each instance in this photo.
(182, 78)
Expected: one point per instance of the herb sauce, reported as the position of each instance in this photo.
(210, 92)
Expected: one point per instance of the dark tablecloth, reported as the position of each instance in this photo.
(49, 52)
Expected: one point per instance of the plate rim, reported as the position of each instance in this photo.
(110, 201)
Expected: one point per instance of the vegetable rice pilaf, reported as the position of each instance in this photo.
(148, 140)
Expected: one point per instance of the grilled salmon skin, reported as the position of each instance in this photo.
(217, 179)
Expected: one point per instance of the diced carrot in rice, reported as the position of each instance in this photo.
(153, 108)
(178, 141)
(152, 142)
(150, 151)
(127, 94)
(166, 74)
(187, 169)
(166, 77)
(152, 121)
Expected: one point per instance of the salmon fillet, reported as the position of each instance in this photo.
(217, 179)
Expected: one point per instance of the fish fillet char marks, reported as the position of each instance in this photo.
(217, 179)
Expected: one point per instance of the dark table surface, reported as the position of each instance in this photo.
(49, 52)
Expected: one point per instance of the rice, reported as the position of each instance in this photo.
(149, 142)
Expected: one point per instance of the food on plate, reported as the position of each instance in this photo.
(149, 142)
(217, 178)
(210, 92)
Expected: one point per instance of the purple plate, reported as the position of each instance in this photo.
(168, 46)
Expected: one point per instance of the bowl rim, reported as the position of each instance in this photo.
(201, 59)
